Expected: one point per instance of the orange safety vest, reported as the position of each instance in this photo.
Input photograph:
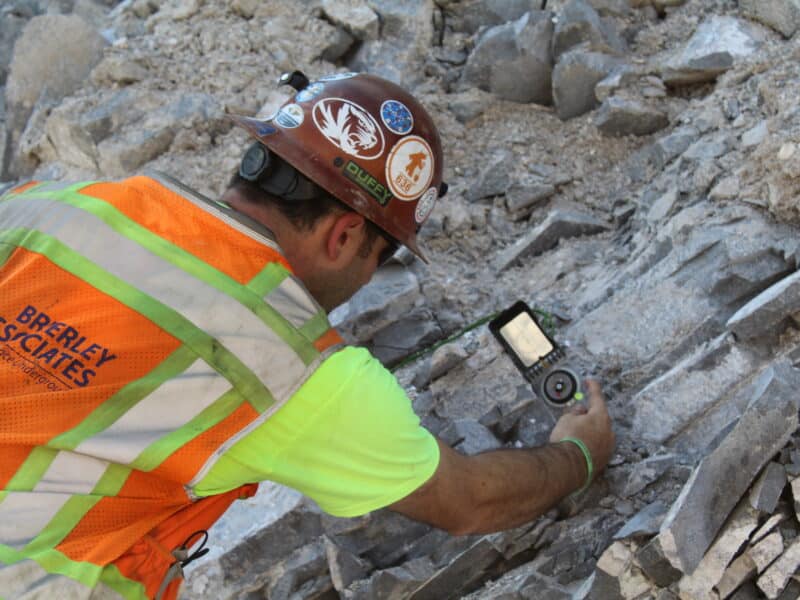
(144, 330)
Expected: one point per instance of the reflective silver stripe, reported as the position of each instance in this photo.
(27, 580)
(23, 515)
(272, 360)
(293, 302)
(72, 473)
(173, 404)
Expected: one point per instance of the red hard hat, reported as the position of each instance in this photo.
(367, 142)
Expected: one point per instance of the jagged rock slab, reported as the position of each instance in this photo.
(355, 16)
(722, 477)
(395, 582)
(494, 178)
(574, 78)
(646, 522)
(512, 61)
(561, 223)
(709, 572)
(763, 313)
(646, 472)
(781, 15)
(711, 51)
(578, 23)
(766, 491)
(653, 561)
(471, 15)
(611, 565)
(675, 399)
(618, 116)
(461, 574)
(344, 567)
(469, 437)
(774, 579)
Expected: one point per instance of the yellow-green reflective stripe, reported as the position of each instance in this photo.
(169, 320)
(181, 288)
(267, 279)
(64, 521)
(116, 406)
(87, 574)
(192, 265)
(32, 469)
(112, 480)
(168, 408)
(316, 326)
(163, 448)
(6, 250)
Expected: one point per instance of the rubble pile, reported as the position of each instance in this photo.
(629, 167)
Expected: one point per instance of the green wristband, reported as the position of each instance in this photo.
(588, 456)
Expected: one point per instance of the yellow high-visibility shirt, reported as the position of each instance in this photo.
(348, 438)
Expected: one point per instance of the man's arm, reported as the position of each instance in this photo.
(505, 488)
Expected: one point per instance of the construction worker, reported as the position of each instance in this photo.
(161, 353)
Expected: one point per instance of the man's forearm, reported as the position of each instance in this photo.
(512, 487)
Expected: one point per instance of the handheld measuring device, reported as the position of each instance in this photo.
(540, 360)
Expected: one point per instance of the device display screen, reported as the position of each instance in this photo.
(528, 341)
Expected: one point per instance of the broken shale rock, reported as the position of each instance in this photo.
(782, 15)
(723, 476)
(574, 78)
(764, 313)
(561, 223)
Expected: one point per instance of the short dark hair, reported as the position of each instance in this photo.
(303, 214)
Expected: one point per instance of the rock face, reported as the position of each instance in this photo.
(631, 168)
(781, 15)
(45, 72)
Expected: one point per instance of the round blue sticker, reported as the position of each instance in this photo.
(396, 116)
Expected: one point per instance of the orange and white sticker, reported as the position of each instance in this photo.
(409, 168)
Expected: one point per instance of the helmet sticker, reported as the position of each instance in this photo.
(290, 116)
(425, 205)
(338, 76)
(409, 168)
(349, 127)
(396, 116)
(309, 93)
(367, 182)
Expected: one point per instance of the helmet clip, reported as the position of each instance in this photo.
(296, 79)
(275, 176)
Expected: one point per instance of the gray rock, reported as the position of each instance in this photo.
(406, 34)
(578, 23)
(767, 489)
(447, 357)
(416, 330)
(561, 223)
(723, 476)
(646, 472)
(118, 69)
(574, 79)
(612, 564)
(618, 116)
(645, 523)
(711, 51)
(355, 16)
(461, 574)
(764, 313)
(127, 152)
(469, 437)
(345, 567)
(777, 576)
(669, 147)
(653, 561)
(11, 25)
(470, 104)
(513, 60)
(494, 178)
(781, 15)
(756, 135)
(618, 79)
(471, 15)
(711, 569)
(669, 403)
(43, 71)
(396, 582)
(340, 44)
(523, 196)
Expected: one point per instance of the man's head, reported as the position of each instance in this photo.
(352, 165)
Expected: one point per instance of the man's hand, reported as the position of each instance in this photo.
(590, 424)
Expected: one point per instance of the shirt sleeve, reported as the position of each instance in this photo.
(348, 439)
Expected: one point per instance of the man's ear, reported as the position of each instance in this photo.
(345, 236)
